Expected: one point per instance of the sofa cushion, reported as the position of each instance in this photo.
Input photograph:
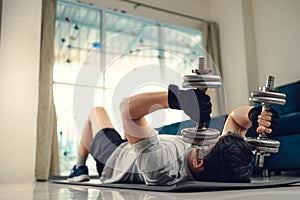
(175, 129)
(292, 92)
(289, 124)
(288, 156)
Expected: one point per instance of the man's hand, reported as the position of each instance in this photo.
(195, 103)
(265, 121)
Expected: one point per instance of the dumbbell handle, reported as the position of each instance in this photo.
(263, 135)
(266, 107)
(202, 62)
(200, 126)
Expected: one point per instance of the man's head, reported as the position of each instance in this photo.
(230, 160)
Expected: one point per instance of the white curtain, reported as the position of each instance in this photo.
(47, 160)
(211, 43)
(0, 18)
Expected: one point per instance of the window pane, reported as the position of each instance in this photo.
(77, 34)
(184, 47)
(70, 123)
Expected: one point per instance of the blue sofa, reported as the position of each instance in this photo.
(288, 133)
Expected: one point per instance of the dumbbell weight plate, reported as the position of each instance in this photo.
(201, 85)
(270, 146)
(202, 78)
(203, 137)
(268, 100)
(263, 142)
(268, 94)
(203, 134)
(267, 149)
(199, 142)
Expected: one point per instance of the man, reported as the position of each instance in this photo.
(146, 157)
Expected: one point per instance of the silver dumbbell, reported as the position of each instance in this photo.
(266, 97)
(201, 137)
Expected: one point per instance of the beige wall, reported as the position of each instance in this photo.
(229, 15)
(258, 38)
(19, 61)
(277, 29)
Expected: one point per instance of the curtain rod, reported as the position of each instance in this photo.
(137, 4)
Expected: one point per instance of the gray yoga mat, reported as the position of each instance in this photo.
(193, 186)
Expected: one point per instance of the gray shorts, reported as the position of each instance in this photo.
(104, 144)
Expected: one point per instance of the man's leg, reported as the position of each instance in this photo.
(97, 120)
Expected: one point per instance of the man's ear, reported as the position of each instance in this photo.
(198, 164)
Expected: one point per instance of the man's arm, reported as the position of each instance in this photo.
(142, 104)
(133, 110)
(195, 103)
(239, 122)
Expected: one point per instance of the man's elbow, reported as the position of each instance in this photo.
(124, 108)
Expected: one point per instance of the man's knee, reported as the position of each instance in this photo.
(100, 119)
(98, 109)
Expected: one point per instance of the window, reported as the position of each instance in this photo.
(102, 56)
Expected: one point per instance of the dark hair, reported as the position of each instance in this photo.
(230, 160)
